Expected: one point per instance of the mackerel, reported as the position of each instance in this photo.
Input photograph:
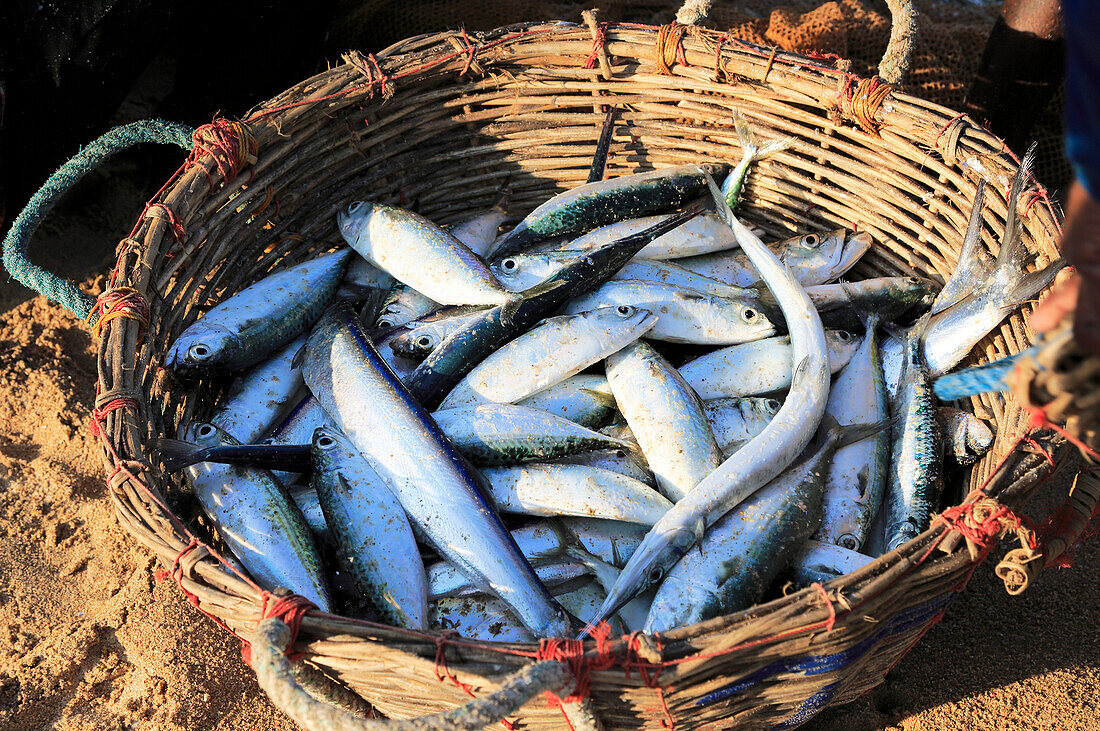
(585, 399)
(555, 350)
(260, 396)
(735, 421)
(766, 456)
(665, 416)
(763, 366)
(418, 338)
(374, 541)
(260, 319)
(259, 522)
(437, 488)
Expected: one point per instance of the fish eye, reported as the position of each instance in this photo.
(844, 335)
(508, 265)
(424, 341)
(848, 541)
(913, 280)
(656, 574)
(624, 310)
(750, 315)
(620, 454)
(199, 351)
(325, 442)
(206, 430)
(385, 323)
(772, 405)
(811, 241)
(355, 207)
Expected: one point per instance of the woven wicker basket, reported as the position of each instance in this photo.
(440, 122)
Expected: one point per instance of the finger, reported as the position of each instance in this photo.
(1061, 302)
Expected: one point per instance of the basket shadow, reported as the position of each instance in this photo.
(991, 648)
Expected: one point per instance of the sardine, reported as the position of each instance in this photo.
(839, 304)
(760, 461)
(741, 555)
(509, 434)
(665, 416)
(914, 484)
(813, 258)
(479, 233)
(751, 151)
(259, 522)
(420, 254)
(558, 489)
(624, 461)
(821, 562)
(257, 321)
(735, 421)
(703, 235)
(973, 265)
(418, 338)
(305, 497)
(437, 488)
(759, 367)
(260, 396)
(585, 399)
(597, 204)
(555, 350)
(374, 540)
(857, 477)
(468, 347)
(683, 315)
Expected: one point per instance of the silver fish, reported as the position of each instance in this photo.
(479, 617)
(735, 421)
(812, 258)
(418, 338)
(760, 461)
(260, 396)
(249, 326)
(420, 254)
(373, 537)
(305, 497)
(917, 450)
(480, 232)
(857, 478)
(703, 234)
(562, 489)
(438, 490)
(751, 151)
(821, 562)
(966, 437)
(585, 399)
(683, 315)
(763, 366)
(297, 427)
(510, 434)
(953, 332)
(444, 580)
(624, 461)
(741, 555)
(258, 520)
(363, 279)
(556, 349)
(402, 305)
(973, 264)
(665, 416)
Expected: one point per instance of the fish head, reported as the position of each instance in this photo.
(755, 409)
(353, 220)
(202, 347)
(979, 437)
(659, 551)
(329, 444)
(609, 323)
(416, 343)
(523, 271)
(206, 434)
(854, 246)
(842, 346)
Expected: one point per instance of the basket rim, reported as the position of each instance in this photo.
(122, 403)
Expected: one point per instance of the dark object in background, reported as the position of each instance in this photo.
(66, 67)
(1021, 69)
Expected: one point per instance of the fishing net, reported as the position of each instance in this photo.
(948, 52)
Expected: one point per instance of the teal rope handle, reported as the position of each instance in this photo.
(118, 139)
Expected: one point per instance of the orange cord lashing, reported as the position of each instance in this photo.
(230, 143)
(115, 303)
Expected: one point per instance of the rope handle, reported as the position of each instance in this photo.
(43, 281)
(899, 51)
(276, 676)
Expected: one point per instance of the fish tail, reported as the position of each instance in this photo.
(961, 282)
(177, 454)
(1008, 255)
(1029, 285)
(599, 159)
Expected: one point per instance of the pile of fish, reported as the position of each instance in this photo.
(627, 408)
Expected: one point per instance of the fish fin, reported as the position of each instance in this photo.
(775, 146)
(1008, 257)
(853, 433)
(1035, 282)
(299, 358)
(510, 308)
(177, 454)
(603, 146)
(505, 195)
(745, 135)
(604, 399)
(962, 281)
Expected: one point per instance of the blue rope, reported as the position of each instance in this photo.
(118, 139)
(985, 378)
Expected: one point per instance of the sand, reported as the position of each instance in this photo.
(93, 641)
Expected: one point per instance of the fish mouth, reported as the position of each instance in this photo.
(854, 247)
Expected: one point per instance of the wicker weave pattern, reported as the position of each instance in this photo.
(438, 123)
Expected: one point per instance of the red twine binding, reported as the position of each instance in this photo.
(230, 143)
(290, 609)
(597, 45)
(99, 416)
(442, 672)
(174, 222)
(119, 302)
